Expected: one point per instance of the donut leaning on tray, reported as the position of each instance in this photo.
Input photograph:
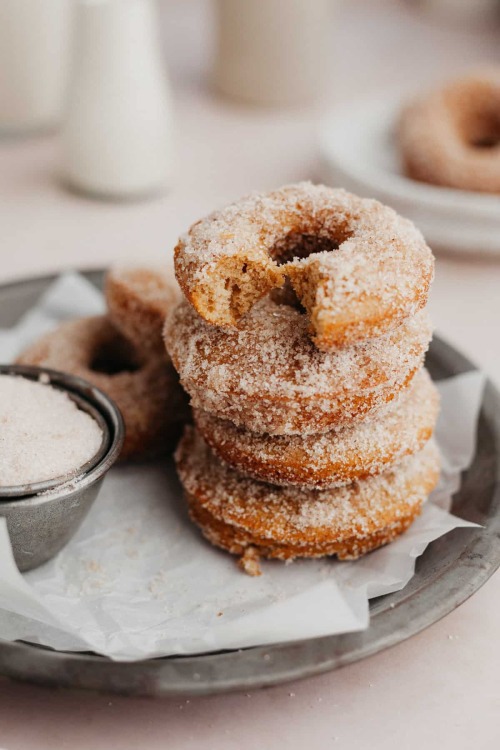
(131, 367)
(301, 340)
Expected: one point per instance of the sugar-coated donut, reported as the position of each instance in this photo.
(145, 388)
(268, 376)
(138, 300)
(238, 514)
(357, 267)
(451, 137)
(334, 458)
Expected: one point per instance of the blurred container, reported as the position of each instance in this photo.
(273, 52)
(463, 11)
(117, 138)
(35, 44)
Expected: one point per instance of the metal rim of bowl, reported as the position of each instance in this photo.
(98, 405)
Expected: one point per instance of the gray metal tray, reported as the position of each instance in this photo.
(451, 569)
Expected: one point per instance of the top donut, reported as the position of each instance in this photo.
(357, 267)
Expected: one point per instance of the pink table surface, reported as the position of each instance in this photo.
(441, 688)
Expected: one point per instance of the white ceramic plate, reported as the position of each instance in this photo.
(360, 153)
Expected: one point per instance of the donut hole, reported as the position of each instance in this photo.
(286, 295)
(115, 357)
(298, 246)
(488, 141)
(485, 132)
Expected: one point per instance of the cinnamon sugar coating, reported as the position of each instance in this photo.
(331, 459)
(450, 136)
(266, 375)
(357, 267)
(237, 513)
(138, 300)
(144, 387)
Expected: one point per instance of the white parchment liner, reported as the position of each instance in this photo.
(139, 581)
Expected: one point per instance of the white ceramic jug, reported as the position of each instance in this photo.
(117, 137)
(272, 52)
(35, 43)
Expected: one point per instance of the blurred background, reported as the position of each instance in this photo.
(123, 121)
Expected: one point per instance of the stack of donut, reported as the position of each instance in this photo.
(122, 353)
(301, 342)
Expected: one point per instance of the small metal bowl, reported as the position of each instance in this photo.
(42, 517)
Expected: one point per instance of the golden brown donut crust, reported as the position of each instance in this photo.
(241, 543)
(138, 300)
(145, 388)
(335, 458)
(449, 137)
(237, 513)
(357, 267)
(268, 376)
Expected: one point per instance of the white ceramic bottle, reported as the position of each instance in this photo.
(272, 52)
(35, 43)
(117, 137)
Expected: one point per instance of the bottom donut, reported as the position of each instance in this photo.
(253, 519)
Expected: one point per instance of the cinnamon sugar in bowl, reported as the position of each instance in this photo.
(59, 435)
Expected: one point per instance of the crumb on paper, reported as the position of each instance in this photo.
(93, 580)
(156, 585)
(92, 586)
(93, 566)
(250, 562)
